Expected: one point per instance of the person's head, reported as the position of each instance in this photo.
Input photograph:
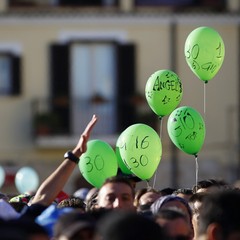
(174, 222)
(75, 225)
(116, 192)
(195, 202)
(167, 191)
(4, 197)
(185, 193)
(91, 199)
(22, 228)
(210, 185)
(124, 225)
(72, 202)
(219, 216)
(19, 202)
(133, 179)
(81, 193)
(172, 201)
(145, 196)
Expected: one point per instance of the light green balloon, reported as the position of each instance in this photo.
(204, 52)
(121, 163)
(140, 149)
(186, 129)
(163, 92)
(98, 163)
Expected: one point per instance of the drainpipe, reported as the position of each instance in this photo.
(173, 65)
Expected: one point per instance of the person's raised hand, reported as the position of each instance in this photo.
(81, 146)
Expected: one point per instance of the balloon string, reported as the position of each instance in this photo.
(160, 134)
(197, 168)
(160, 131)
(204, 100)
(154, 178)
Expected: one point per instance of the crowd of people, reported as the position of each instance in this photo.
(210, 210)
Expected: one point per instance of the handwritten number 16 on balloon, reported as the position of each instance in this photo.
(139, 149)
(142, 144)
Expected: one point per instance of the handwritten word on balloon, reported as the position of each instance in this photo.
(204, 52)
(186, 129)
(163, 92)
(192, 55)
(139, 148)
(98, 162)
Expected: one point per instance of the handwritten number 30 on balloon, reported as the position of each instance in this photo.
(97, 162)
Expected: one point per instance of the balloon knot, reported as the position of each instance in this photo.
(195, 155)
(206, 82)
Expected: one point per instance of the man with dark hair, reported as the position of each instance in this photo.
(219, 217)
(116, 192)
(124, 225)
(74, 225)
(185, 193)
(209, 185)
(73, 202)
(195, 202)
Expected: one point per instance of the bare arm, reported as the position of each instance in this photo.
(50, 188)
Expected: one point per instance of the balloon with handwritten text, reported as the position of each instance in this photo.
(121, 164)
(186, 129)
(98, 162)
(204, 52)
(140, 149)
(163, 92)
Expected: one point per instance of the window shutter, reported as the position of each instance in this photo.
(16, 75)
(126, 113)
(59, 75)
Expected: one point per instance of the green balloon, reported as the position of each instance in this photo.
(98, 162)
(163, 92)
(204, 52)
(186, 129)
(121, 163)
(140, 149)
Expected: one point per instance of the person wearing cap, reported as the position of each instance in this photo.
(173, 201)
(174, 223)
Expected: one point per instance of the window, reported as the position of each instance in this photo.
(9, 74)
(90, 77)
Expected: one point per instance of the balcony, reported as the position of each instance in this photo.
(59, 125)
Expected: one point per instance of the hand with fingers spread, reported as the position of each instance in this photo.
(82, 143)
(55, 182)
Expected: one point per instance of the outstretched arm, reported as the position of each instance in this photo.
(50, 188)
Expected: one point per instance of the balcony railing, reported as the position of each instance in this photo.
(62, 123)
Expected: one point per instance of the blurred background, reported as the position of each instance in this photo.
(63, 60)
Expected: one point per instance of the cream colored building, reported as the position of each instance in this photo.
(158, 37)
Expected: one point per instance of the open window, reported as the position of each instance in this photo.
(90, 77)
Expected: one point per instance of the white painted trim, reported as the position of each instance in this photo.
(12, 47)
(119, 36)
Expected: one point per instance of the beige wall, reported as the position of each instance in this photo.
(152, 37)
